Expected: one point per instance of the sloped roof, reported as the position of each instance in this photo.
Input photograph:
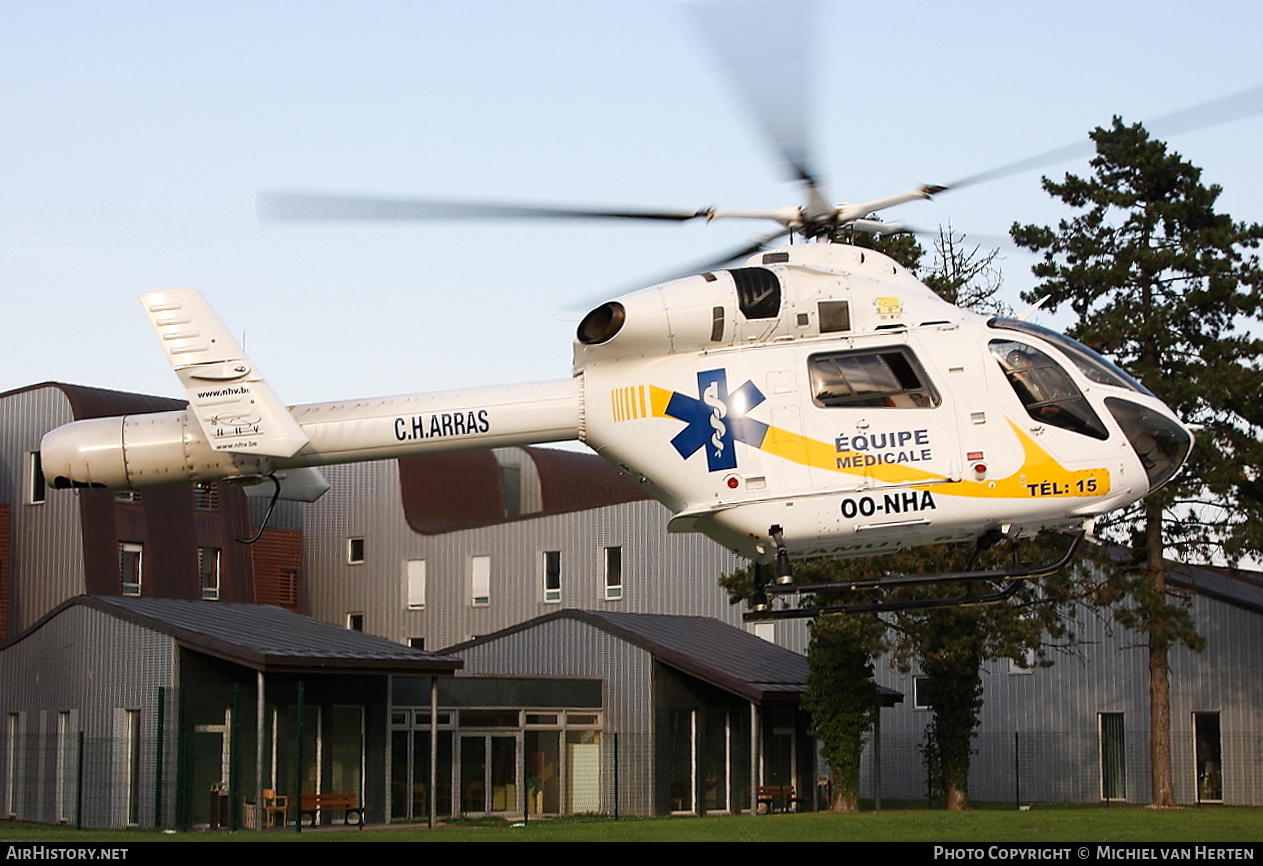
(462, 490)
(713, 651)
(702, 647)
(262, 637)
(88, 402)
(1237, 587)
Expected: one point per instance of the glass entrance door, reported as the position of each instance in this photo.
(489, 772)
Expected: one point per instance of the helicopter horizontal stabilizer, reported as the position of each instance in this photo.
(235, 408)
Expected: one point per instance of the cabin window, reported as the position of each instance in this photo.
(889, 377)
(834, 316)
(1046, 389)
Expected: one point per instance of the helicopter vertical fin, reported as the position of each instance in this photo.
(235, 408)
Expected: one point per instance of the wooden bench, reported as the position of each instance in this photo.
(785, 795)
(314, 804)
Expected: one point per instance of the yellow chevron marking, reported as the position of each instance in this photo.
(1040, 475)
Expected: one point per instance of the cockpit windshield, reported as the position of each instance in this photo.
(1090, 363)
(1045, 389)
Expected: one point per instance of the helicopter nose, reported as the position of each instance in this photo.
(1160, 441)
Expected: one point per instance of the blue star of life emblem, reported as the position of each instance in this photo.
(716, 419)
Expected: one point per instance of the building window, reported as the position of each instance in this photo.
(35, 490)
(1026, 665)
(127, 497)
(613, 573)
(1208, 758)
(354, 551)
(131, 744)
(206, 496)
(414, 583)
(922, 693)
(129, 566)
(281, 590)
(1113, 757)
(480, 581)
(208, 571)
(67, 752)
(355, 621)
(417, 643)
(552, 575)
(11, 766)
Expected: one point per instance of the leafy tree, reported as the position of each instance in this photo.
(841, 695)
(950, 644)
(964, 276)
(842, 698)
(1163, 283)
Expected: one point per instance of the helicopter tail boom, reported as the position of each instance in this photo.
(133, 452)
(236, 428)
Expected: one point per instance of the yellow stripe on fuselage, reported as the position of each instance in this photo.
(1040, 475)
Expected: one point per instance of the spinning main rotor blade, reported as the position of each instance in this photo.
(1225, 109)
(314, 207)
(765, 50)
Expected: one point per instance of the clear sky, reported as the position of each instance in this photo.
(134, 137)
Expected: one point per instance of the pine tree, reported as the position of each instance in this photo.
(1170, 288)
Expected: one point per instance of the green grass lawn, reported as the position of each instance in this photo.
(1047, 825)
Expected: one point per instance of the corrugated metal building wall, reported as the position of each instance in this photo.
(660, 572)
(46, 543)
(1040, 729)
(578, 650)
(64, 543)
(114, 703)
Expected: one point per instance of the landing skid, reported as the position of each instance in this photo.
(1011, 577)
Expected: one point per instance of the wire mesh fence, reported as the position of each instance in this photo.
(213, 758)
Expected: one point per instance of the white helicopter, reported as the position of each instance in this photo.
(817, 400)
